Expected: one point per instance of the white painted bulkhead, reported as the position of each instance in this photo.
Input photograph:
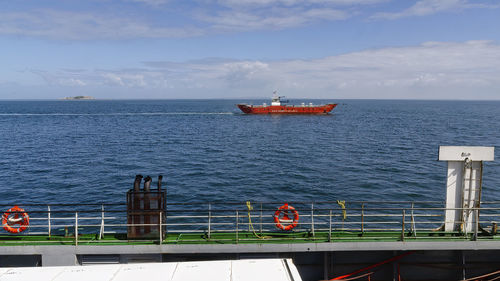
(463, 184)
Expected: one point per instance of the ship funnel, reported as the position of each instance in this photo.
(145, 210)
(137, 182)
(147, 183)
(160, 178)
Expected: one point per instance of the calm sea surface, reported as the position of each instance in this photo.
(90, 151)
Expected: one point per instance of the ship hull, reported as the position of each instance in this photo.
(287, 109)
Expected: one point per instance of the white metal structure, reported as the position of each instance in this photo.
(276, 101)
(463, 185)
(226, 270)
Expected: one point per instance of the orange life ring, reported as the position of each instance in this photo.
(285, 208)
(20, 217)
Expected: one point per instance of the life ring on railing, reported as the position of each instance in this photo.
(278, 221)
(20, 217)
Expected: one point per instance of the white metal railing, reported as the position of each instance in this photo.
(318, 219)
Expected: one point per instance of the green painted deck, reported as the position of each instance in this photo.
(241, 238)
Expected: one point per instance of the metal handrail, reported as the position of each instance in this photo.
(315, 218)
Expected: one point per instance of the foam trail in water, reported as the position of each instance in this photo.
(116, 114)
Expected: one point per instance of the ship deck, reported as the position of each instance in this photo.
(330, 239)
(242, 238)
(252, 223)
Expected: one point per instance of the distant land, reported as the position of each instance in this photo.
(79, 98)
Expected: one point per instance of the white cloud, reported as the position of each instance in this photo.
(430, 7)
(239, 3)
(57, 24)
(277, 19)
(175, 18)
(237, 72)
(151, 2)
(431, 70)
(73, 82)
(124, 79)
(244, 15)
(195, 19)
(67, 25)
(61, 78)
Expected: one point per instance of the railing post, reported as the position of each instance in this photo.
(237, 226)
(260, 218)
(76, 228)
(165, 210)
(101, 231)
(476, 225)
(413, 227)
(403, 226)
(48, 218)
(362, 218)
(312, 218)
(160, 230)
(209, 220)
(330, 227)
(464, 223)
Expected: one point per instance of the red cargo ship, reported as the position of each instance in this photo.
(277, 107)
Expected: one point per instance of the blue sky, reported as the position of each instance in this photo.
(397, 49)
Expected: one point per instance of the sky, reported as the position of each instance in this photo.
(325, 49)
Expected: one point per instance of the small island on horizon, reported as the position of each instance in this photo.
(79, 98)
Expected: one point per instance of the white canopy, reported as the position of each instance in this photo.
(226, 270)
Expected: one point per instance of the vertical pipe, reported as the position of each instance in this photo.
(160, 226)
(147, 183)
(147, 205)
(413, 228)
(362, 218)
(159, 198)
(76, 228)
(209, 220)
(101, 233)
(476, 225)
(137, 182)
(136, 199)
(312, 218)
(48, 218)
(163, 201)
(237, 226)
(330, 227)
(469, 199)
(403, 226)
(478, 198)
(160, 178)
(480, 184)
(260, 218)
(462, 223)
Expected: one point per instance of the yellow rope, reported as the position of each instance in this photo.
(249, 206)
(342, 204)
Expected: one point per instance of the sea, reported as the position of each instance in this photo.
(208, 151)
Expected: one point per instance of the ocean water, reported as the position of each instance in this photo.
(90, 151)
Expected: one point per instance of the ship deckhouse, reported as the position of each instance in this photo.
(275, 101)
